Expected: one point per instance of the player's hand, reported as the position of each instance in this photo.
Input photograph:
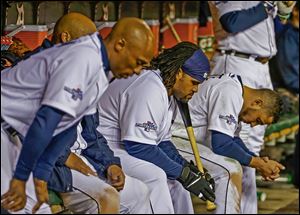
(269, 169)
(206, 174)
(41, 192)
(116, 177)
(76, 163)
(196, 183)
(15, 198)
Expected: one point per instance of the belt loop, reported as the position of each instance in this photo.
(233, 53)
(253, 57)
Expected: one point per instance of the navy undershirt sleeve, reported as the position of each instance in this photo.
(155, 155)
(57, 147)
(36, 140)
(225, 145)
(239, 141)
(169, 148)
(237, 21)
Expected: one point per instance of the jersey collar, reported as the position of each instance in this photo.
(104, 56)
(241, 82)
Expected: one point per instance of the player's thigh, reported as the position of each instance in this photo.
(9, 154)
(217, 165)
(134, 190)
(79, 202)
(93, 186)
(142, 170)
(134, 196)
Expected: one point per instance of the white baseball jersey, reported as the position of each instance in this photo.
(215, 106)
(258, 40)
(68, 77)
(136, 109)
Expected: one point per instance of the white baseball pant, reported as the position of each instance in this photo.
(226, 172)
(9, 156)
(90, 192)
(166, 196)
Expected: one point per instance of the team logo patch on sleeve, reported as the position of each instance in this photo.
(76, 93)
(229, 119)
(147, 126)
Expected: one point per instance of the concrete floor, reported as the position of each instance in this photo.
(281, 199)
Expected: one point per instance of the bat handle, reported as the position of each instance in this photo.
(209, 205)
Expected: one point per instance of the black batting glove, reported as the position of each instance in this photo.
(196, 183)
(206, 174)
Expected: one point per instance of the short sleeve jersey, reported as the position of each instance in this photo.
(216, 106)
(257, 40)
(68, 77)
(136, 109)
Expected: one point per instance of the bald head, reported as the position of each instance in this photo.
(72, 26)
(130, 46)
(135, 31)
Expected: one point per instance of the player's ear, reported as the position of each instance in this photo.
(179, 75)
(257, 104)
(120, 44)
(65, 37)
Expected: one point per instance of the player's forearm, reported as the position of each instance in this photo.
(225, 145)
(155, 155)
(57, 147)
(171, 151)
(99, 154)
(237, 21)
(36, 141)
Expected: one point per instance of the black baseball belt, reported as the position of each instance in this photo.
(10, 130)
(262, 60)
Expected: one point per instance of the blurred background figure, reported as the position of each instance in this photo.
(284, 70)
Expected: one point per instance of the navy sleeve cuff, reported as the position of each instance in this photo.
(22, 172)
(42, 173)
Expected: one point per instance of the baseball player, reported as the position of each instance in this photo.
(62, 84)
(216, 113)
(136, 116)
(76, 190)
(93, 156)
(245, 45)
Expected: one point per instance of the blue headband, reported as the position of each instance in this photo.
(197, 66)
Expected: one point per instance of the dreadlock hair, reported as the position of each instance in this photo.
(272, 103)
(171, 60)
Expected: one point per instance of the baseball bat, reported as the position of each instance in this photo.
(185, 114)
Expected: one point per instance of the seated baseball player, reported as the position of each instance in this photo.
(89, 178)
(74, 172)
(216, 111)
(136, 116)
(56, 104)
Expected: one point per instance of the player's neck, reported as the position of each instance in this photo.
(247, 95)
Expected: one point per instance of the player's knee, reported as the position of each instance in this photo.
(160, 176)
(236, 174)
(110, 195)
(236, 168)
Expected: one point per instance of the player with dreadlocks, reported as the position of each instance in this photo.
(136, 115)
